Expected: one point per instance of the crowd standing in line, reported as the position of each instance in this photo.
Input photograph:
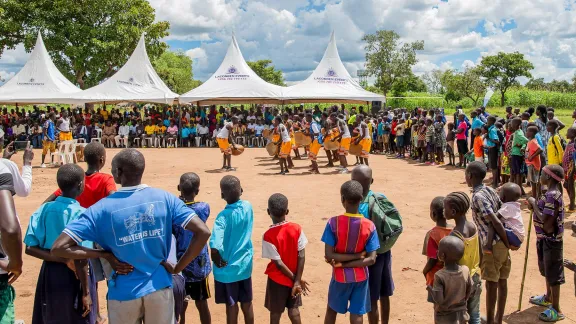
(152, 280)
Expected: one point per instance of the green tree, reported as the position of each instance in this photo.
(267, 72)
(465, 84)
(388, 59)
(410, 83)
(536, 84)
(88, 40)
(503, 70)
(433, 81)
(175, 69)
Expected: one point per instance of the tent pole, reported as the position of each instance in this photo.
(180, 122)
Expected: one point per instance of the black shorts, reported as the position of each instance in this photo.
(199, 290)
(493, 158)
(279, 297)
(550, 261)
(233, 292)
(179, 294)
(380, 277)
(462, 146)
(516, 164)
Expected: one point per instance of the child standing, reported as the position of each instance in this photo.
(65, 290)
(496, 265)
(422, 141)
(533, 151)
(400, 129)
(284, 243)
(430, 142)
(549, 226)
(517, 153)
(452, 284)
(456, 207)
(568, 166)
(432, 241)
(232, 252)
(196, 273)
(478, 145)
(349, 288)
(555, 150)
(440, 139)
(461, 140)
(450, 137)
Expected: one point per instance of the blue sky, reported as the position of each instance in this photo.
(294, 33)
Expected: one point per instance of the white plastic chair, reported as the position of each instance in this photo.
(171, 141)
(66, 152)
(98, 137)
(137, 140)
(197, 139)
(240, 139)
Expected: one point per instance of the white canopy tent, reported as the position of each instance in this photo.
(234, 82)
(39, 81)
(330, 82)
(136, 81)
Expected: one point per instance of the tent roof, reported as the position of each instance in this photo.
(234, 82)
(330, 82)
(136, 81)
(39, 81)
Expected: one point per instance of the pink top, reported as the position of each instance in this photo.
(464, 127)
(173, 130)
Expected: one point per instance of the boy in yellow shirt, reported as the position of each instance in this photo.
(149, 132)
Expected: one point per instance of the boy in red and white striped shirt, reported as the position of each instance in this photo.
(284, 244)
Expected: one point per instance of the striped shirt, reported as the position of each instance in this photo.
(349, 234)
(485, 201)
(547, 204)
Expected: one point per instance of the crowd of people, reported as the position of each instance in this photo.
(160, 253)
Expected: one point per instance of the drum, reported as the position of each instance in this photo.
(238, 150)
(302, 139)
(266, 133)
(272, 149)
(355, 149)
(331, 146)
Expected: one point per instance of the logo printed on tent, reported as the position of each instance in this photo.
(232, 74)
(130, 82)
(32, 82)
(331, 77)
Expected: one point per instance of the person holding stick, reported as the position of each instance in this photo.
(548, 214)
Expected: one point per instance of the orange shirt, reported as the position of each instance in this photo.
(430, 249)
(478, 146)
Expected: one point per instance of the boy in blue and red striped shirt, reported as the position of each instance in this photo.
(351, 242)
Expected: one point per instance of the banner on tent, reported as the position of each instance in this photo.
(232, 74)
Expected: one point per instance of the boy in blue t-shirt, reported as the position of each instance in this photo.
(197, 272)
(232, 252)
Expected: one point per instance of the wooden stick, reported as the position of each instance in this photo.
(525, 261)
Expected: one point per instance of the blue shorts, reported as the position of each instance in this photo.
(380, 279)
(234, 292)
(400, 141)
(513, 240)
(357, 293)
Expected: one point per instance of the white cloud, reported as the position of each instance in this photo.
(294, 33)
(5, 75)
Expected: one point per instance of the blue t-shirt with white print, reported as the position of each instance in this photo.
(134, 223)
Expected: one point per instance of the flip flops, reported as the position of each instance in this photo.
(550, 315)
(540, 301)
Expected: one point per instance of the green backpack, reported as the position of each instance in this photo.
(387, 220)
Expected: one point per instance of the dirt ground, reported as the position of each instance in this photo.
(312, 200)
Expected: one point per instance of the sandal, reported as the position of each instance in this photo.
(540, 301)
(551, 315)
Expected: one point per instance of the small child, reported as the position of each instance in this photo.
(400, 129)
(533, 162)
(432, 240)
(351, 241)
(440, 139)
(554, 150)
(430, 142)
(452, 284)
(283, 243)
(422, 140)
(65, 289)
(456, 205)
(450, 138)
(478, 145)
(196, 273)
(510, 216)
(232, 252)
(568, 166)
(549, 226)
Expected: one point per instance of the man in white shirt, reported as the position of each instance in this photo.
(22, 183)
(122, 137)
(19, 131)
(203, 132)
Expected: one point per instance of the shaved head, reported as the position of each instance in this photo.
(363, 174)
(128, 167)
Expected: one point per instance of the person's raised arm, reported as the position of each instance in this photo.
(11, 235)
(22, 183)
